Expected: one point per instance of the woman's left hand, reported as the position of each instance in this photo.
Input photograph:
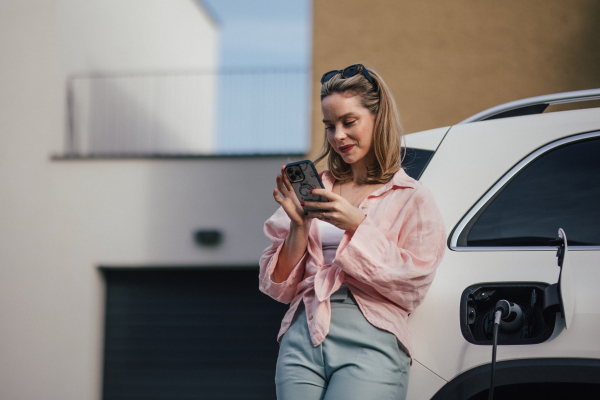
(337, 211)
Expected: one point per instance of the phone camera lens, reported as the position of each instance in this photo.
(290, 171)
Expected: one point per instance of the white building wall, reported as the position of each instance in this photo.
(153, 87)
(61, 220)
(136, 35)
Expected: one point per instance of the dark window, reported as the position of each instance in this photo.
(560, 189)
(415, 161)
(189, 334)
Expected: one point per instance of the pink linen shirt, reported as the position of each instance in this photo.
(388, 263)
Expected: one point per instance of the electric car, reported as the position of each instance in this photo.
(506, 181)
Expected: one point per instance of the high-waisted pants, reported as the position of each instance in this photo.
(356, 361)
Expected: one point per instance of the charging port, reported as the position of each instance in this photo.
(533, 320)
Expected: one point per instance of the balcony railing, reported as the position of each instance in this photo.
(188, 114)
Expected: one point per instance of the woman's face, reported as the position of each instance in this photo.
(349, 126)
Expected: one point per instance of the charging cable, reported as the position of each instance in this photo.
(503, 311)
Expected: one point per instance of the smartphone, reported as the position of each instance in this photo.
(304, 177)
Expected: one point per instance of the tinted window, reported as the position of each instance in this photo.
(560, 189)
(415, 161)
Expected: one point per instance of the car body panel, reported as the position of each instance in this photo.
(471, 158)
(426, 140)
(437, 339)
(424, 384)
(474, 156)
(497, 187)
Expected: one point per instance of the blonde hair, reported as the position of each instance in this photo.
(387, 132)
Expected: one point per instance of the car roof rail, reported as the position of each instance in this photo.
(533, 105)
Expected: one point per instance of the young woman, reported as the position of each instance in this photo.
(356, 266)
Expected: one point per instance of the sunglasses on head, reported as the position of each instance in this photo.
(347, 72)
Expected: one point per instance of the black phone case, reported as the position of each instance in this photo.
(311, 181)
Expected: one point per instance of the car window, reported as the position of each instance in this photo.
(559, 189)
(415, 161)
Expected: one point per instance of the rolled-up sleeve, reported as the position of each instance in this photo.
(276, 230)
(400, 268)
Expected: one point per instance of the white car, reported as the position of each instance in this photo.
(505, 181)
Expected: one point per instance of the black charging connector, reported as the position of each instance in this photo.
(502, 311)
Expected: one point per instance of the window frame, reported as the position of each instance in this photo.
(457, 238)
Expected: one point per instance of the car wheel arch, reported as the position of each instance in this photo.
(539, 371)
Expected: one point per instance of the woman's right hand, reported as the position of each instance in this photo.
(285, 196)
(295, 244)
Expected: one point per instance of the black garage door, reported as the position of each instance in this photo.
(189, 334)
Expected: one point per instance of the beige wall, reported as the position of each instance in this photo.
(445, 61)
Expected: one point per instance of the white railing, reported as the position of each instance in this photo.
(188, 114)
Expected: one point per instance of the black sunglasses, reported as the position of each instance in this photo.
(347, 72)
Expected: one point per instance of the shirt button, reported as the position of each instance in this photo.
(310, 318)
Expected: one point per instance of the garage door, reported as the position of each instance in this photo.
(189, 334)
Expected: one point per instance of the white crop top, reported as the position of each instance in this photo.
(331, 236)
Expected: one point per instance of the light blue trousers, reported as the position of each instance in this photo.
(356, 361)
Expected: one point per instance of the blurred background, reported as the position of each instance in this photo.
(139, 142)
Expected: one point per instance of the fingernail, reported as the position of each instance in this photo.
(302, 204)
(305, 212)
(310, 192)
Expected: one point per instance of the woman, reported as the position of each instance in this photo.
(354, 267)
